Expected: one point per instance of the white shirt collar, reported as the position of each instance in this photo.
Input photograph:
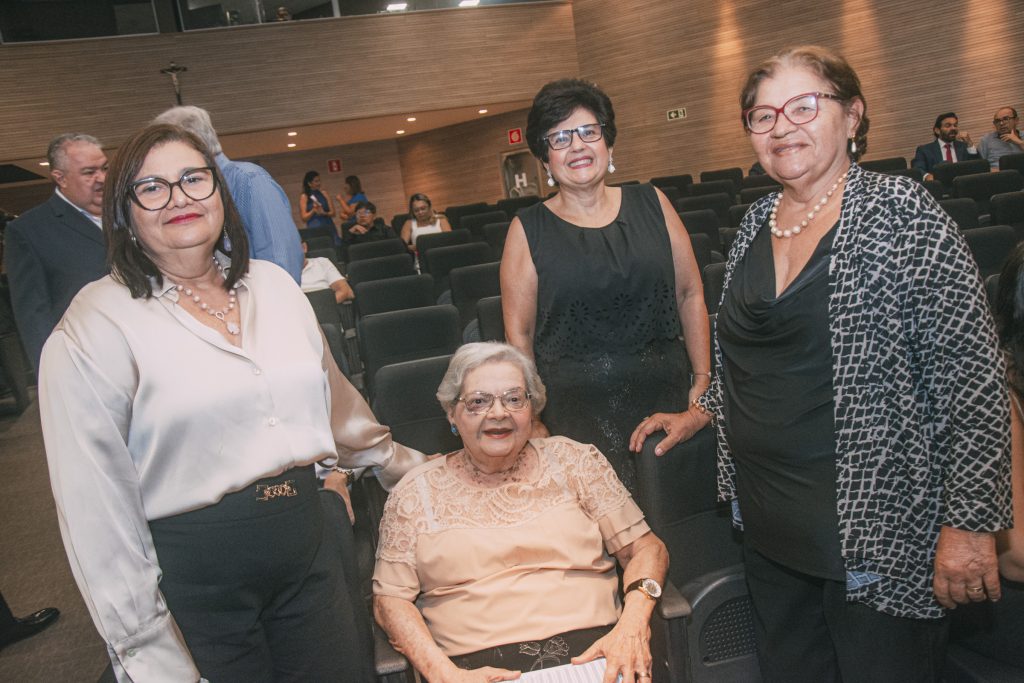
(95, 219)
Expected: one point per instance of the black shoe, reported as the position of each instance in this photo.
(27, 626)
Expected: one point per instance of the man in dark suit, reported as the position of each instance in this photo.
(949, 145)
(56, 248)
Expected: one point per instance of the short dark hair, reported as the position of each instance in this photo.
(556, 102)
(370, 206)
(129, 264)
(419, 197)
(353, 184)
(942, 117)
(829, 66)
(307, 179)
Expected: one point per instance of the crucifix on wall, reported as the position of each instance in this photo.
(173, 70)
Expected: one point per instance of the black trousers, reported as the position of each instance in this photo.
(256, 583)
(807, 631)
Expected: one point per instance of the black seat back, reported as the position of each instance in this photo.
(963, 210)
(398, 220)
(887, 164)
(511, 205)
(945, 171)
(492, 322)
(680, 182)
(714, 279)
(397, 336)
(714, 187)
(701, 245)
(736, 214)
(991, 245)
(368, 250)
(915, 173)
(718, 202)
(1012, 162)
(980, 187)
(424, 243)
(470, 284)
(443, 259)
(454, 214)
(749, 195)
(395, 294)
(1007, 208)
(494, 235)
(758, 181)
(405, 400)
(475, 223)
(379, 268)
(703, 221)
(735, 175)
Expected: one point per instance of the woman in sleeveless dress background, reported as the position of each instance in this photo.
(598, 283)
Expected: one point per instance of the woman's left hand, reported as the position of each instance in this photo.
(966, 568)
(626, 649)
(677, 427)
(338, 482)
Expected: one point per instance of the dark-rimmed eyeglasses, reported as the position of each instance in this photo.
(799, 110)
(1005, 119)
(479, 402)
(153, 194)
(560, 139)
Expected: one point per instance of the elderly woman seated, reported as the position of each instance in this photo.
(496, 558)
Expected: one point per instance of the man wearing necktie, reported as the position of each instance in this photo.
(56, 248)
(950, 145)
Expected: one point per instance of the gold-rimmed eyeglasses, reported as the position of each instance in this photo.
(479, 402)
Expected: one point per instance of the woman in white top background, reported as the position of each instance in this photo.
(424, 220)
(186, 400)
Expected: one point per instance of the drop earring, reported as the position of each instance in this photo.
(226, 241)
(551, 181)
(134, 239)
(853, 146)
(611, 164)
(455, 430)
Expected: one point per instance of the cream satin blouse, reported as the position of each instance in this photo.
(148, 413)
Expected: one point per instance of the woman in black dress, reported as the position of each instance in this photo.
(598, 283)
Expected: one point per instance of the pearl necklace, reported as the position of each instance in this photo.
(220, 315)
(795, 230)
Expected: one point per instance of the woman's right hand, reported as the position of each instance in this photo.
(677, 427)
(482, 675)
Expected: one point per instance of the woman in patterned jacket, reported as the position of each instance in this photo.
(863, 430)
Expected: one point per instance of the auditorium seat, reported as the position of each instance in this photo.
(883, 165)
(758, 181)
(443, 259)
(379, 268)
(454, 214)
(492, 322)
(702, 251)
(328, 314)
(1008, 209)
(713, 187)
(992, 290)
(703, 221)
(719, 203)
(476, 221)
(397, 336)
(913, 173)
(728, 236)
(329, 254)
(945, 171)
(981, 186)
(714, 641)
(991, 245)
(494, 235)
(424, 243)
(734, 174)
(624, 182)
(736, 214)
(963, 210)
(318, 242)
(1012, 162)
(749, 195)
(714, 280)
(398, 220)
(405, 400)
(469, 284)
(934, 188)
(394, 294)
(511, 205)
(680, 182)
(367, 250)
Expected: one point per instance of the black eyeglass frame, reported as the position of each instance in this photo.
(170, 187)
(578, 131)
(782, 110)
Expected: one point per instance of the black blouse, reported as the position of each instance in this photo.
(779, 408)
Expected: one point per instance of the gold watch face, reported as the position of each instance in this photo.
(651, 587)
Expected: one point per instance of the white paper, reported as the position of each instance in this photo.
(591, 672)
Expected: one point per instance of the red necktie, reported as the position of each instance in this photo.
(949, 153)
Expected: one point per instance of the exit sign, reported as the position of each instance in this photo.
(515, 136)
(676, 114)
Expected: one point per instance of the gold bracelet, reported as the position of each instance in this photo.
(701, 409)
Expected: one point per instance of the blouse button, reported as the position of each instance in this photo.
(257, 371)
(272, 421)
(132, 652)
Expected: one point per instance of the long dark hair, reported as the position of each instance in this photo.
(353, 184)
(306, 180)
(129, 264)
(1010, 317)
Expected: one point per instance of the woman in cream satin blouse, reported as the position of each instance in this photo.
(186, 400)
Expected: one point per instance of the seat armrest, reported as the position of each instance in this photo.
(386, 659)
(672, 604)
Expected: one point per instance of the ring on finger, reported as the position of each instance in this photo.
(975, 589)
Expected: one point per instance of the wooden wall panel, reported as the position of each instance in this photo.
(376, 164)
(663, 55)
(259, 77)
(459, 164)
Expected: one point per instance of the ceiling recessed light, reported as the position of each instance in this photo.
(482, 111)
(411, 119)
(44, 163)
(292, 133)
(469, 3)
(400, 132)
(396, 6)
(291, 144)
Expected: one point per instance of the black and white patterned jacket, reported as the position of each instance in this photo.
(921, 409)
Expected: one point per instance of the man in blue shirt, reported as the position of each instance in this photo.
(262, 204)
(1005, 139)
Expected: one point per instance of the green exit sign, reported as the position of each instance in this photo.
(676, 114)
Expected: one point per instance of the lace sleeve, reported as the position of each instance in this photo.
(404, 519)
(592, 478)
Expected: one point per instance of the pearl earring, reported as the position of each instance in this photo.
(611, 165)
(134, 239)
(853, 146)
(551, 181)
(226, 241)
(455, 430)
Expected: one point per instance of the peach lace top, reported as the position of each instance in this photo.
(523, 561)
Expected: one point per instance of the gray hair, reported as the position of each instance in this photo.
(194, 120)
(57, 152)
(469, 357)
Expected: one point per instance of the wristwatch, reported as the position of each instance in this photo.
(648, 587)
